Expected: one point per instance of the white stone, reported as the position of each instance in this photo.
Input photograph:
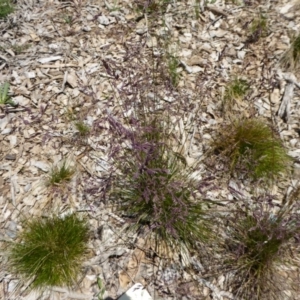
(136, 292)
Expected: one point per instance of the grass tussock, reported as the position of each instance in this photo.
(291, 58)
(259, 242)
(154, 188)
(250, 147)
(49, 252)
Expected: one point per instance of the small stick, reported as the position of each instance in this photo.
(284, 109)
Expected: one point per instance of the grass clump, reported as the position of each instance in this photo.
(50, 251)
(259, 242)
(68, 19)
(250, 147)
(237, 88)
(296, 49)
(259, 24)
(61, 173)
(259, 28)
(77, 120)
(6, 8)
(82, 128)
(18, 49)
(4, 97)
(154, 188)
(235, 91)
(291, 58)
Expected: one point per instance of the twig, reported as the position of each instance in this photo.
(284, 109)
(217, 11)
(12, 187)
